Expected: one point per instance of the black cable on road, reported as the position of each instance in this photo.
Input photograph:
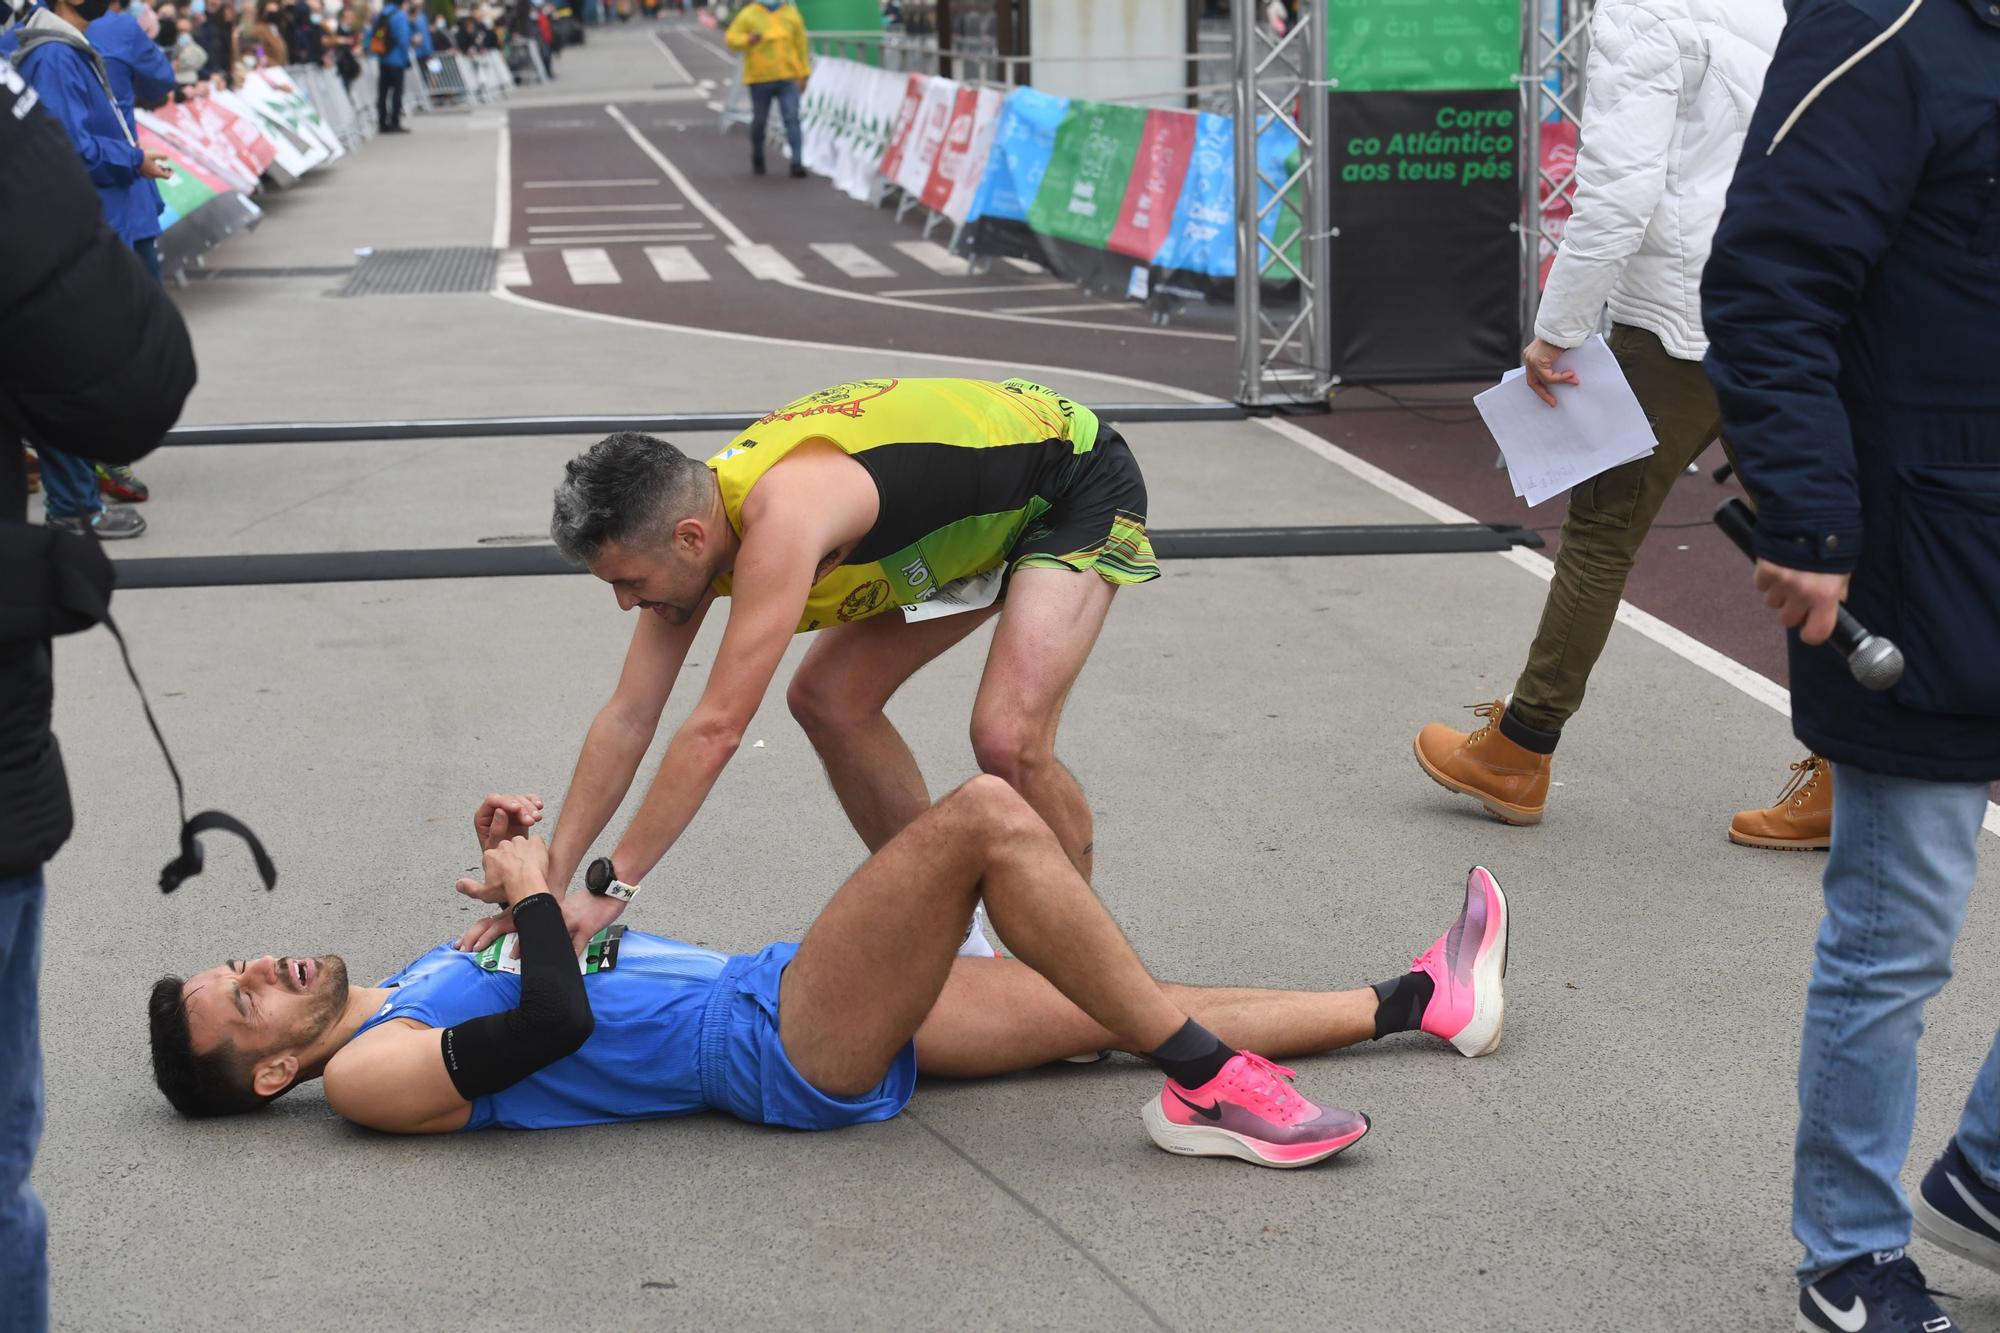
(490, 562)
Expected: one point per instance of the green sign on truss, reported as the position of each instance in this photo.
(1410, 45)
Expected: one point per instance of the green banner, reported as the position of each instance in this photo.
(1095, 147)
(1412, 45)
(184, 191)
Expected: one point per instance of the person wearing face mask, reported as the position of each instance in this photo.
(71, 80)
(217, 36)
(266, 36)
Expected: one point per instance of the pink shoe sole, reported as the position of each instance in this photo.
(1209, 1141)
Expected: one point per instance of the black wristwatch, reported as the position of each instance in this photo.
(603, 881)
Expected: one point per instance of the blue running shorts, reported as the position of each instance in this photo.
(746, 1073)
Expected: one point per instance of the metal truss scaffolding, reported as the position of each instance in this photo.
(1283, 356)
(1555, 39)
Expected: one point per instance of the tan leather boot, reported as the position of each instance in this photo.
(1512, 783)
(1801, 821)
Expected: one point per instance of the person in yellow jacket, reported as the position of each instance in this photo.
(772, 38)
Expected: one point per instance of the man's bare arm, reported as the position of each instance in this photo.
(392, 1078)
(618, 738)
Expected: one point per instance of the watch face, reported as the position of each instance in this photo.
(598, 877)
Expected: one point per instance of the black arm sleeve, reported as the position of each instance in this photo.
(552, 1020)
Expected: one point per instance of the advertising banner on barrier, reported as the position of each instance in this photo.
(1201, 239)
(1407, 45)
(239, 132)
(185, 190)
(1556, 184)
(965, 185)
(1089, 165)
(1166, 146)
(926, 136)
(906, 118)
(1023, 142)
(950, 162)
(1426, 270)
(292, 155)
(190, 140)
(273, 93)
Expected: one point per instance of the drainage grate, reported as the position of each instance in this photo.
(421, 272)
(297, 271)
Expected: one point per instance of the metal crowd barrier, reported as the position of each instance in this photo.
(322, 87)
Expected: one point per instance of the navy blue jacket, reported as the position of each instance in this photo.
(1852, 302)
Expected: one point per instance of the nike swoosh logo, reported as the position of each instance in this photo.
(1215, 1113)
(1981, 1213)
(1851, 1320)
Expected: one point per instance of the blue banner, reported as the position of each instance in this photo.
(1202, 238)
(1022, 146)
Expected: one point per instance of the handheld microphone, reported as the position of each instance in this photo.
(1875, 662)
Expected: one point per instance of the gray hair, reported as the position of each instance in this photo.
(627, 488)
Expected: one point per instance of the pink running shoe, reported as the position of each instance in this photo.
(1250, 1110)
(1466, 965)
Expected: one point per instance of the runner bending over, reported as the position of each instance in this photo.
(826, 1033)
(890, 516)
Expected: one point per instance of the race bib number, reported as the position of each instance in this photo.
(975, 592)
(600, 955)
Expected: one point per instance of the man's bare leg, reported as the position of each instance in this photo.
(1049, 625)
(871, 968)
(838, 695)
(999, 1016)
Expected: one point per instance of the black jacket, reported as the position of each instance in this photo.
(1852, 303)
(97, 361)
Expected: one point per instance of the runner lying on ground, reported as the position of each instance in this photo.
(826, 1033)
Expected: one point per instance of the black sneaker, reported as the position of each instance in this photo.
(1882, 1292)
(109, 525)
(1959, 1212)
(799, 172)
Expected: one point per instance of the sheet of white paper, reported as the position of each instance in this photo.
(1597, 425)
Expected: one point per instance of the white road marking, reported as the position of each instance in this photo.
(616, 226)
(672, 59)
(681, 182)
(503, 193)
(676, 263)
(631, 184)
(764, 263)
(590, 268)
(635, 239)
(608, 208)
(513, 269)
(1074, 305)
(1003, 287)
(852, 260)
(1024, 265)
(935, 258)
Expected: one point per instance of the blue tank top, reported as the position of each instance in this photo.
(643, 1059)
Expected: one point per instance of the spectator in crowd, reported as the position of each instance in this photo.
(1671, 87)
(217, 36)
(96, 359)
(390, 39)
(264, 35)
(472, 36)
(440, 34)
(183, 51)
(772, 38)
(343, 42)
(305, 33)
(1851, 304)
(70, 78)
(545, 36)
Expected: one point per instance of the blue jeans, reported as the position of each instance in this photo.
(786, 93)
(24, 1227)
(148, 251)
(1897, 882)
(69, 484)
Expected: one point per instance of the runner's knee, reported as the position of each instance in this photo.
(819, 706)
(1005, 748)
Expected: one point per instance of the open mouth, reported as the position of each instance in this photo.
(299, 972)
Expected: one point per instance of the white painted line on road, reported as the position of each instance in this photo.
(1003, 287)
(1074, 305)
(765, 263)
(935, 258)
(608, 208)
(637, 238)
(852, 260)
(672, 59)
(676, 263)
(631, 184)
(513, 270)
(503, 192)
(616, 226)
(1025, 265)
(680, 180)
(590, 268)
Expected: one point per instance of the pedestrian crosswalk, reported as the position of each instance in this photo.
(603, 255)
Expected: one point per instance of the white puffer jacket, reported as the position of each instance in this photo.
(1669, 88)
